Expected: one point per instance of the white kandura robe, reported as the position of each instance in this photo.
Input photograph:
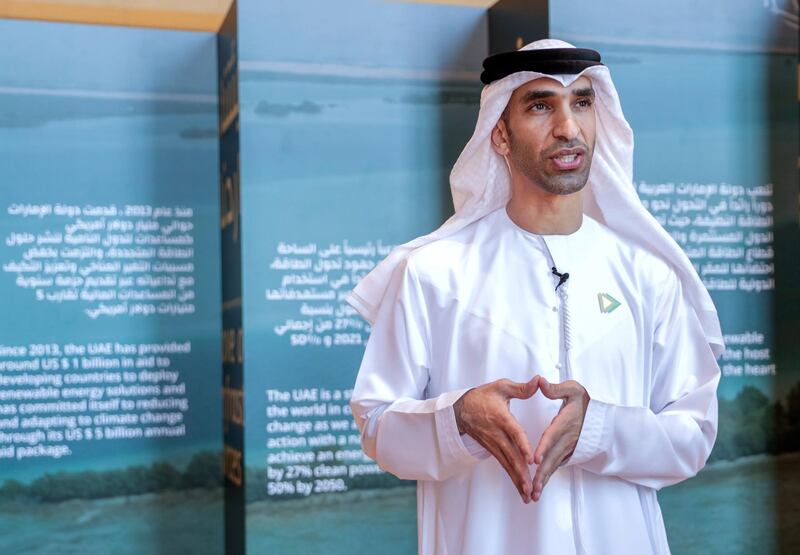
(480, 305)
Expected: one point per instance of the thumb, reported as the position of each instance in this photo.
(525, 390)
(552, 390)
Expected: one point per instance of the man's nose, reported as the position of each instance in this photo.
(566, 128)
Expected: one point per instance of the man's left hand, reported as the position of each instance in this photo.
(561, 436)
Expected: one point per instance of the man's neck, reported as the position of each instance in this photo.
(546, 214)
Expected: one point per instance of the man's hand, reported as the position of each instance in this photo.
(561, 436)
(483, 413)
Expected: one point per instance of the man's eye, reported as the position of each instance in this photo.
(585, 102)
(539, 106)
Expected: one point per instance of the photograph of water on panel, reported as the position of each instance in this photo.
(110, 421)
(348, 134)
(711, 94)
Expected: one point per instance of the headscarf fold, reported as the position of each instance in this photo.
(480, 183)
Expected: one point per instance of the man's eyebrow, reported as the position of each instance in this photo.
(530, 96)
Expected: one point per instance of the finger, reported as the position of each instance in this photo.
(554, 390)
(521, 472)
(517, 390)
(550, 436)
(498, 453)
(519, 438)
(493, 444)
(517, 469)
(551, 462)
(534, 383)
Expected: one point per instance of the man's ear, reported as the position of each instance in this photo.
(499, 138)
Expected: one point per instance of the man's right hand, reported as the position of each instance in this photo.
(483, 413)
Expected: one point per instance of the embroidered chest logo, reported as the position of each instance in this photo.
(607, 303)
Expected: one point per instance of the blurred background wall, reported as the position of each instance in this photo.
(110, 413)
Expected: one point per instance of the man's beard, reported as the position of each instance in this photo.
(557, 182)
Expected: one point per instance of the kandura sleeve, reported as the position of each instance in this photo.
(406, 434)
(671, 439)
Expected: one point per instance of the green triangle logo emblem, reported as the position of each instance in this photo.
(607, 303)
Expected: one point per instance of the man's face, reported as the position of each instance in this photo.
(548, 133)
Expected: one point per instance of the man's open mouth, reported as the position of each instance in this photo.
(568, 159)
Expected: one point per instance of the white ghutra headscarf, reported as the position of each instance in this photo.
(480, 183)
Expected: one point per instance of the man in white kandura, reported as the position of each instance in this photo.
(550, 342)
